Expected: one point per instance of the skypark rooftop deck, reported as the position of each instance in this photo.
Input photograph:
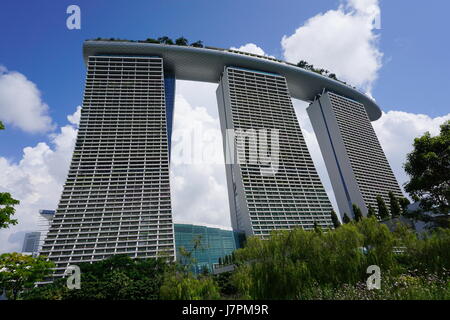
(207, 65)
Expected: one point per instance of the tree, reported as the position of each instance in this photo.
(371, 211)
(315, 226)
(431, 253)
(181, 286)
(2, 127)
(204, 271)
(334, 219)
(404, 203)
(302, 64)
(181, 41)
(198, 44)
(395, 206)
(291, 264)
(116, 278)
(151, 40)
(197, 242)
(357, 212)
(332, 76)
(165, 40)
(57, 290)
(383, 211)
(428, 167)
(8, 210)
(188, 257)
(19, 271)
(345, 218)
(227, 289)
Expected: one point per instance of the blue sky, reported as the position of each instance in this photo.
(405, 65)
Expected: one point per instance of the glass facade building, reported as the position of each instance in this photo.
(31, 242)
(212, 244)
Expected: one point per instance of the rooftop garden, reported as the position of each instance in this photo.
(182, 41)
(305, 65)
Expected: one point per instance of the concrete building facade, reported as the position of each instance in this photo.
(116, 199)
(293, 196)
(355, 161)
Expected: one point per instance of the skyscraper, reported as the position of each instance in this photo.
(44, 223)
(116, 199)
(31, 242)
(293, 196)
(356, 163)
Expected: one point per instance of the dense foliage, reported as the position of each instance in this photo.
(123, 278)
(7, 210)
(116, 278)
(403, 287)
(291, 264)
(19, 271)
(357, 213)
(301, 264)
(185, 286)
(383, 211)
(428, 167)
(395, 205)
(334, 219)
(181, 41)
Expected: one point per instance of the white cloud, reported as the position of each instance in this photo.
(369, 7)
(75, 118)
(21, 104)
(251, 48)
(342, 41)
(199, 193)
(396, 131)
(36, 181)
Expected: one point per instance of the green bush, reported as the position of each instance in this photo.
(429, 254)
(300, 264)
(291, 264)
(116, 278)
(184, 286)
